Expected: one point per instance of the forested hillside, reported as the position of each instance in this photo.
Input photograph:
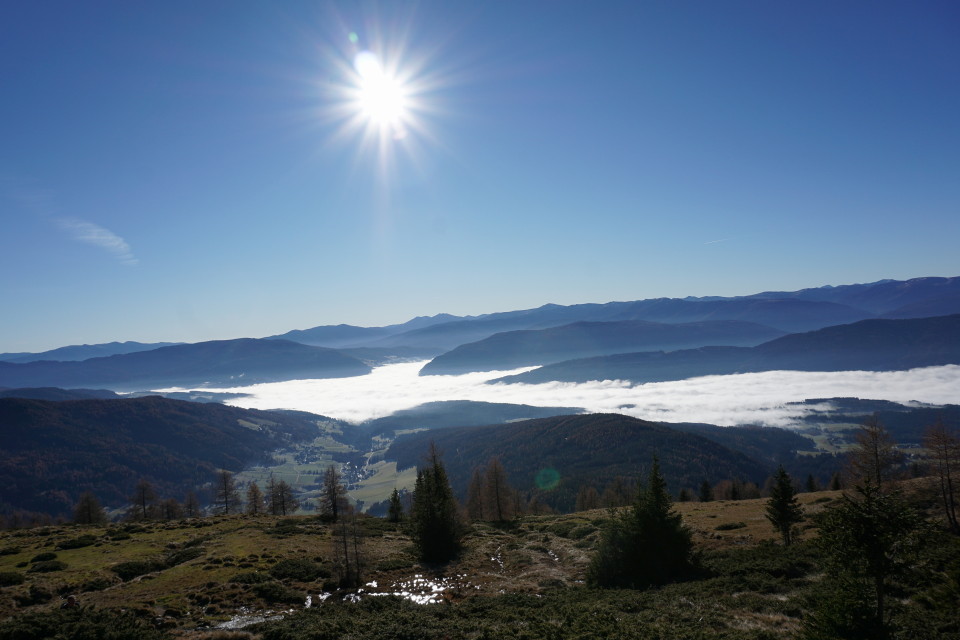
(51, 452)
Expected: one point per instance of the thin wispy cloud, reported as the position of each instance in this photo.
(98, 236)
(752, 398)
(718, 241)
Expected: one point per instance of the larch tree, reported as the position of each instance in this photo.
(874, 458)
(943, 455)
(88, 510)
(280, 498)
(143, 499)
(191, 505)
(333, 495)
(255, 504)
(783, 509)
(475, 496)
(226, 497)
(500, 497)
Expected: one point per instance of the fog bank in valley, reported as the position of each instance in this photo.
(752, 398)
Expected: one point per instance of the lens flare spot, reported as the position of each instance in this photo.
(547, 479)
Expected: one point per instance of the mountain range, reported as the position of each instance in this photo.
(641, 340)
(869, 345)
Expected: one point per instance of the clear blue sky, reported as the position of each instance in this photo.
(188, 171)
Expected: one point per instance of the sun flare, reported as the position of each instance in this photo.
(381, 97)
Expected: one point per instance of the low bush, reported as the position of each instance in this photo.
(43, 557)
(78, 624)
(47, 566)
(9, 551)
(730, 526)
(299, 569)
(184, 555)
(78, 543)
(251, 577)
(274, 592)
(129, 570)
(10, 578)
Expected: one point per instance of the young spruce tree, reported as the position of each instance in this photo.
(434, 524)
(783, 509)
(646, 545)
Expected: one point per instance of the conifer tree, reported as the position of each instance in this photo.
(646, 545)
(870, 540)
(89, 510)
(706, 492)
(395, 510)
(783, 509)
(434, 525)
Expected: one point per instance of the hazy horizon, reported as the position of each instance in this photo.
(750, 398)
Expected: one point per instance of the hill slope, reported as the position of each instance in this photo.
(571, 451)
(53, 451)
(872, 345)
(514, 349)
(219, 362)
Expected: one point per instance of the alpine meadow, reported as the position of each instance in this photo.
(504, 320)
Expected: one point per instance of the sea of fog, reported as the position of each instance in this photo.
(750, 398)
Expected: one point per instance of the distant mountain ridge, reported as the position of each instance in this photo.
(515, 349)
(221, 362)
(79, 352)
(871, 345)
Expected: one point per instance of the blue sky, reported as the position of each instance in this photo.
(190, 171)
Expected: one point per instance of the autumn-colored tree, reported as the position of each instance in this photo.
(281, 500)
(89, 510)
(875, 456)
(170, 509)
(943, 447)
(333, 495)
(191, 506)
(226, 498)
(142, 500)
(587, 499)
(255, 504)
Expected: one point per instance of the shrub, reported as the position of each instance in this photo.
(10, 578)
(77, 543)
(9, 551)
(184, 555)
(251, 577)
(730, 526)
(276, 592)
(78, 623)
(298, 569)
(130, 570)
(47, 566)
(43, 557)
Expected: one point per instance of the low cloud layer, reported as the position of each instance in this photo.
(752, 398)
(97, 236)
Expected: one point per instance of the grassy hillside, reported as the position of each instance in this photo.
(524, 580)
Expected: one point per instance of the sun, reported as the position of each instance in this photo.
(381, 97)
